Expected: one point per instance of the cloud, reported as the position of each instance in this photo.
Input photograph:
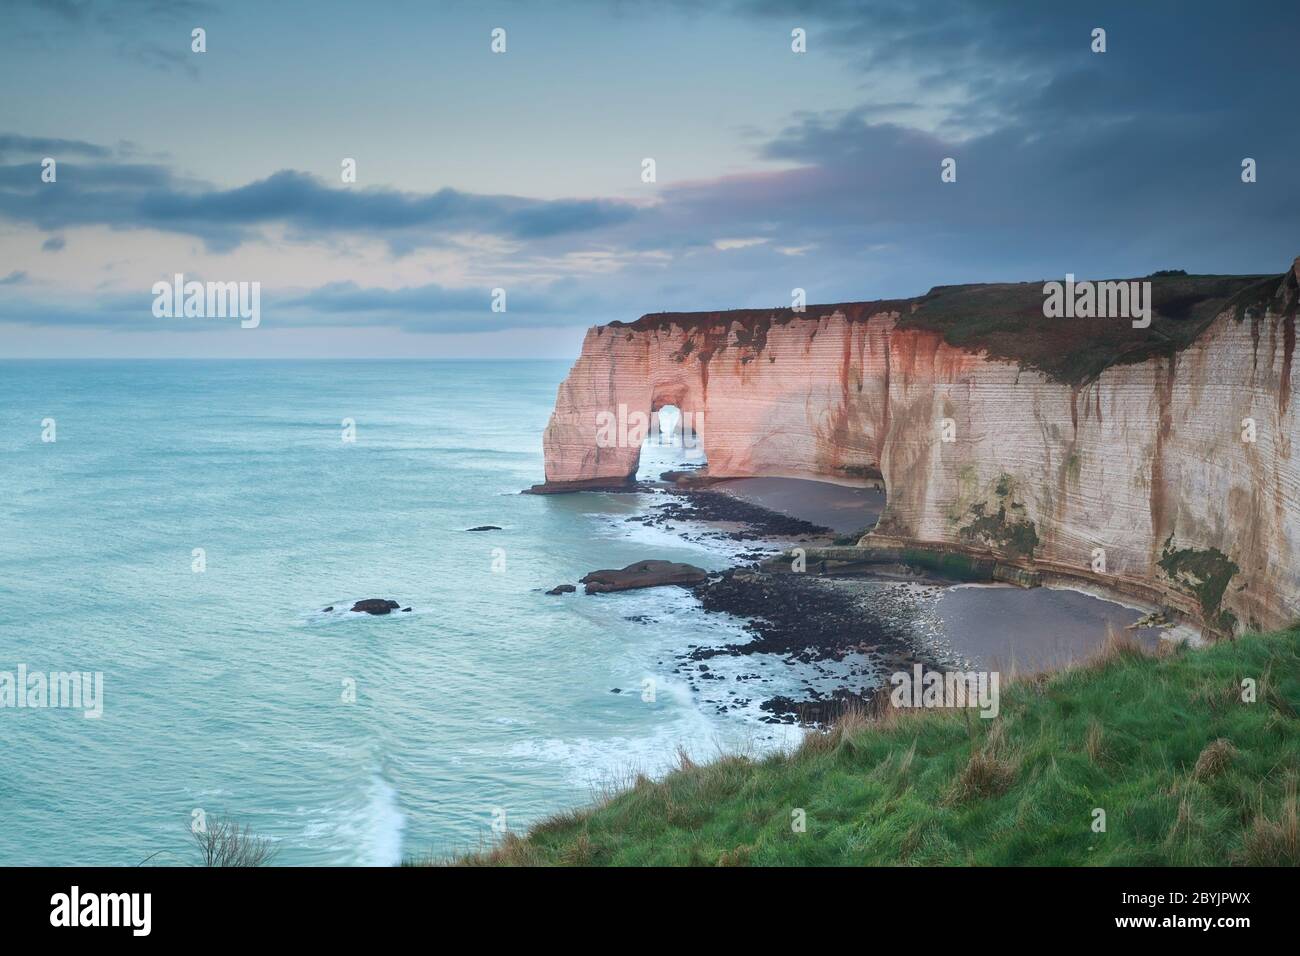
(145, 196)
(54, 244)
(1119, 198)
(151, 33)
(124, 12)
(437, 308)
(1106, 165)
(431, 307)
(38, 147)
(155, 56)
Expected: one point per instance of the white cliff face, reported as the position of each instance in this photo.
(808, 402)
(1143, 479)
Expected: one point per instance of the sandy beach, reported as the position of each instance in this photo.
(1000, 627)
(842, 508)
(995, 627)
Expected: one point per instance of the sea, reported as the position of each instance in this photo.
(175, 530)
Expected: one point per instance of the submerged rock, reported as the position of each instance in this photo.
(484, 527)
(562, 589)
(643, 574)
(328, 609)
(376, 606)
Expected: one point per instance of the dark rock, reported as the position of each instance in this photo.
(405, 609)
(643, 574)
(330, 608)
(587, 484)
(686, 504)
(376, 606)
(484, 527)
(562, 589)
(688, 479)
(817, 710)
(801, 617)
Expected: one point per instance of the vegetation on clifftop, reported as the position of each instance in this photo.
(1006, 320)
(1187, 772)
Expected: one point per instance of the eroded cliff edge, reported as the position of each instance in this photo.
(1081, 448)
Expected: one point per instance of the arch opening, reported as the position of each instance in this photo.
(674, 443)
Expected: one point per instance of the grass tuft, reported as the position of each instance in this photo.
(1118, 646)
(1214, 760)
(1094, 745)
(1275, 842)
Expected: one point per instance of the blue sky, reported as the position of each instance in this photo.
(522, 170)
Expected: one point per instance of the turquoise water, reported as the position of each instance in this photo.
(223, 690)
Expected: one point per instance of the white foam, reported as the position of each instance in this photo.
(603, 763)
(383, 825)
(371, 827)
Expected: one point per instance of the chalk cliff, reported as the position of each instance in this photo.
(1156, 461)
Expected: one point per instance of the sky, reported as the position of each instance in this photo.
(522, 170)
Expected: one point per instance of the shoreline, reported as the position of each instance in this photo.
(854, 627)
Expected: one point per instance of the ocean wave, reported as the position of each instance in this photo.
(369, 826)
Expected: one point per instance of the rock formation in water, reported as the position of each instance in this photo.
(1156, 461)
(642, 574)
(377, 606)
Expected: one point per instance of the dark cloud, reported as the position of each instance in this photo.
(362, 304)
(427, 308)
(54, 244)
(138, 196)
(152, 33)
(981, 65)
(1104, 164)
(437, 308)
(1121, 198)
(304, 202)
(38, 147)
(123, 11)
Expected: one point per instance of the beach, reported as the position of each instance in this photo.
(989, 626)
(844, 509)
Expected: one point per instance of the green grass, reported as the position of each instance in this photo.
(1006, 319)
(1186, 772)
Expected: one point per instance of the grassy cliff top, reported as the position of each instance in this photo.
(1185, 770)
(1006, 320)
